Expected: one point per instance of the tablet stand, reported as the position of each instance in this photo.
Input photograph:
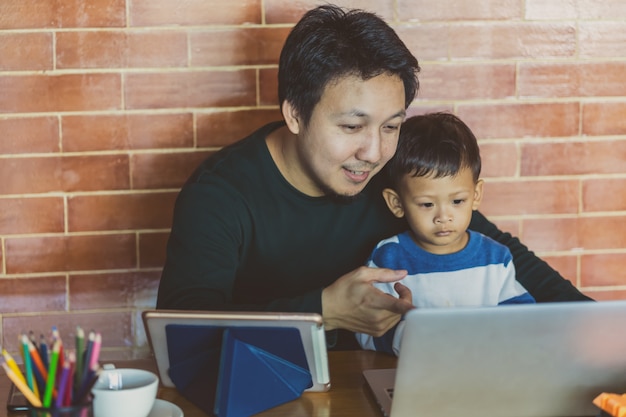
(237, 371)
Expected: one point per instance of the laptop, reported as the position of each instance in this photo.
(539, 360)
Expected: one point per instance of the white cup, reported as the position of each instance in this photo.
(124, 392)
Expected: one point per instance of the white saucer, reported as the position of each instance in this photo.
(162, 408)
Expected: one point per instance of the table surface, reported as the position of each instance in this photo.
(348, 396)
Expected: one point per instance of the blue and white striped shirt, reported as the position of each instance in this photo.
(482, 274)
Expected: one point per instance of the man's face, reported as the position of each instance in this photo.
(352, 134)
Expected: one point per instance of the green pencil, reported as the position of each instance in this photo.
(80, 350)
(52, 374)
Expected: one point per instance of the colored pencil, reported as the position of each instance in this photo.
(95, 352)
(87, 355)
(80, 349)
(69, 390)
(88, 382)
(28, 366)
(52, 374)
(34, 355)
(13, 365)
(22, 387)
(43, 351)
(63, 383)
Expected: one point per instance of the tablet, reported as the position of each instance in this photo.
(183, 334)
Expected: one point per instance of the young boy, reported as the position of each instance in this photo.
(435, 185)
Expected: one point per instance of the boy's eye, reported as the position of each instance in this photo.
(458, 201)
(426, 205)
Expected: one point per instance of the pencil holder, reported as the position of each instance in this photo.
(79, 410)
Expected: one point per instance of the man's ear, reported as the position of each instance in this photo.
(291, 117)
(478, 194)
(393, 202)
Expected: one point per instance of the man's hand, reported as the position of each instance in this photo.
(353, 303)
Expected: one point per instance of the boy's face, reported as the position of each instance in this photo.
(438, 210)
(352, 134)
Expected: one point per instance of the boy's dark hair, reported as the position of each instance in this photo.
(436, 143)
(329, 43)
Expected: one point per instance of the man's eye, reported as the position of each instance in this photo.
(350, 128)
(391, 128)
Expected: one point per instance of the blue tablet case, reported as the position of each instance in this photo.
(237, 371)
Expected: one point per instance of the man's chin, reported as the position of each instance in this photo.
(342, 197)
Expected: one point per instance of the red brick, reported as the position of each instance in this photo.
(604, 118)
(70, 253)
(120, 211)
(127, 131)
(530, 197)
(29, 134)
(606, 295)
(268, 87)
(602, 39)
(572, 79)
(191, 89)
(19, 14)
(241, 46)
(580, 9)
(427, 42)
(116, 327)
(51, 93)
(567, 266)
(462, 82)
(72, 173)
(25, 51)
(226, 127)
(31, 215)
(27, 295)
(551, 10)
(498, 159)
(279, 11)
(521, 119)
(113, 290)
(567, 234)
(598, 270)
(424, 10)
(193, 12)
(158, 170)
(121, 49)
(595, 192)
(573, 158)
(514, 40)
(152, 249)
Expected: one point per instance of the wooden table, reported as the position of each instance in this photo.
(347, 397)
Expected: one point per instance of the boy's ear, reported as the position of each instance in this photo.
(478, 193)
(393, 202)
(291, 117)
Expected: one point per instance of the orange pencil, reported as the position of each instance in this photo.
(34, 354)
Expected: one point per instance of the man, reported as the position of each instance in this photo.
(284, 219)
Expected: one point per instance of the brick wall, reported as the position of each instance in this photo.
(107, 105)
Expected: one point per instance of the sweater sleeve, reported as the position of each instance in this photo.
(542, 282)
(204, 252)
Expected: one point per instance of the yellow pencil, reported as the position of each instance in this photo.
(21, 385)
(12, 364)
